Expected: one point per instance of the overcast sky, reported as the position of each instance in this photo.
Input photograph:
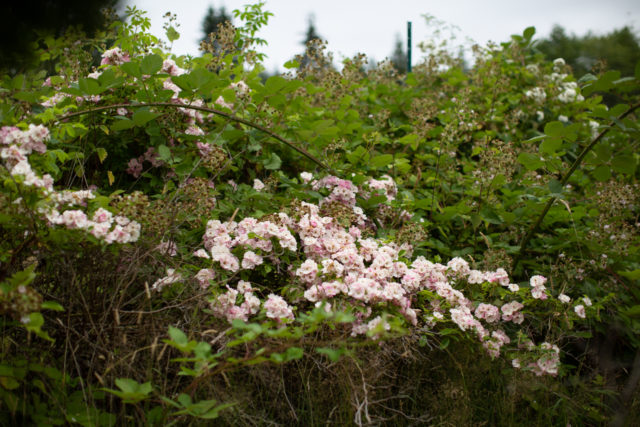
(371, 26)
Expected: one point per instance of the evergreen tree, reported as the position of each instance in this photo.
(212, 19)
(399, 56)
(26, 21)
(311, 34)
(311, 38)
(618, 50)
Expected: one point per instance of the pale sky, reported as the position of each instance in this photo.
(371, 26)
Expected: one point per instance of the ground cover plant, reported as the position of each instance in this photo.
(183, 241)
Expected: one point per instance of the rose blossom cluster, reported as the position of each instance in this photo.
(277, 308)
(102, 225)
(341, 265)
(226, 305)
(16, 146)
(135, 165)
(171, 277)
(169, 66)
(386, 184)
(339, 268)
(342, 190)
(549, 362)
(538, 290)
(114, 56)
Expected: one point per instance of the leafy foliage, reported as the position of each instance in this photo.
(198, 234)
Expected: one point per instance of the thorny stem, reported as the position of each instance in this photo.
(563, 182)
(433, 194)
(208, 110)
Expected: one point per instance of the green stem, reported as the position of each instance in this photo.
(525, 240)
(208, 110)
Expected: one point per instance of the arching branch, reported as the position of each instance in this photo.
(207, 110)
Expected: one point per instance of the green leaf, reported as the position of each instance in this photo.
(490, 215)
(107, 78)
(274, 84)
(200, 79)
(294, 353)
(151, 64)
(535, 138)
(529, 32)
(603, 151)
(34, 324)
(9, 383)
(130, 390)
(332, 354)
(633, 275)
(122, 123)
(52, 305)
(291, 64)
(273, 162)
(410, 139)
(127, 385)
(185, 399)
(184, 82)
(603, 84)
(424, 204)
(143, 115)
(102, 154)
(18, 82)
(624, 163)
(602, 173)
(476, 220)
(554, 129)
(277, 358)
(550, 145)
(633, 311)
(79, 170)
(618, 109)
(530, 161)
(381, 160)
(172, 34)
(90, 86)
(555, 186)
(20, 278)
(132, 68)
(178, 336)
(31, 97)
(445, 343)
(145, 388)
(372, 201)
(358, 155)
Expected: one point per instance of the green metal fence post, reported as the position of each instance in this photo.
(408, 46)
